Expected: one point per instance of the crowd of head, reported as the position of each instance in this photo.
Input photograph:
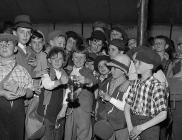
(106, 64)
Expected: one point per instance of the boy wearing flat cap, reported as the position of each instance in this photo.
(14, 82)
(146, 104)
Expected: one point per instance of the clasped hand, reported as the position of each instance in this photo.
(135, 132)
(11, 86)
(104, 95)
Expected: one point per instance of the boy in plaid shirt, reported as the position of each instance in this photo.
(15, 82)
(146, 104)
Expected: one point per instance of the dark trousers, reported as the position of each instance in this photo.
(12, 118)
(151, 133)
(54, 134)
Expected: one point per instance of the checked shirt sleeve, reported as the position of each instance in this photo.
(160, 98)
(23, 78)
(130, 98)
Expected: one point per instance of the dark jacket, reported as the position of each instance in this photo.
(116, 117)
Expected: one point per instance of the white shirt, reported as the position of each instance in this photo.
(23, 47)
(132, 74)
(159, 75)
(76, 71)
(47, 83)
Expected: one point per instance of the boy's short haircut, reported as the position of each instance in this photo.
(165, 38)
(75, 36)
(37, 34)
(81, 49)
(56, 33)
(71, 34)
(54, 51)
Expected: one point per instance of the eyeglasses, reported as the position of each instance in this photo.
(6, 44)
(97, 42)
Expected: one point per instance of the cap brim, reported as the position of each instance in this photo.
(23, 25)
(103, 129)
(8, 38)
(118, 65)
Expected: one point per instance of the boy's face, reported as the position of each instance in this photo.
(37, 44)
(96, 45)
(179, 48)
(116, 35)
(159, 45)
(71, 44)
(90, 65)
(23, 35)
(116, 73)
(59, 41)
(56, 61)
(113, 51)
(7, 49)
(132, 43)
(79, 59)
(103, 69)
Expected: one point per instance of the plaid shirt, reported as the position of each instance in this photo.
(19, 74)
(147, 98)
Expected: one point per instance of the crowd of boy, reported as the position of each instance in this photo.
(121, 88)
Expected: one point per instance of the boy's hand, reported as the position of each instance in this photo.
(130, 128)
(125, 86)
(61, 115)
(8, 95)
(37, 86)
(32, 62)
(106, 97)
(101, 93)
(64, 79)
(57, 83)
(69, 67)
(135, 132)
(11, 86)
(83, 80)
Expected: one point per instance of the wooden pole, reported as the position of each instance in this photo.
(142, 22)
(171, 31)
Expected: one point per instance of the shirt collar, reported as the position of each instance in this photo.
(146, 81)
(23, 47)
(77, 69)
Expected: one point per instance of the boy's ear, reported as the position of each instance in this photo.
(150, 66)
(15, 49)
(167, 46)
(51, 43)
(14, 33)
(49, 60)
